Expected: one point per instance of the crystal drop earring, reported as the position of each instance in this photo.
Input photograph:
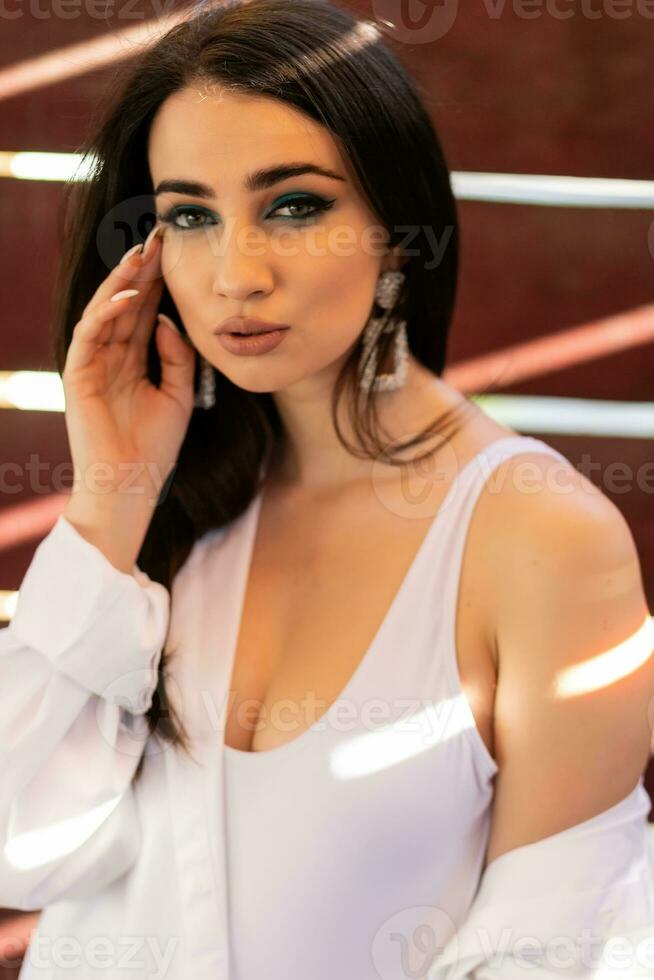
(386, 293)
(206, 395)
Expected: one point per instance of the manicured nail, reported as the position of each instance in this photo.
(148, 241)
(124, 294)
(132, 251)
(169, 323)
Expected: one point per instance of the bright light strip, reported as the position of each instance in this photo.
(388, 745)
(42, 391)
(32, 391)
(44, 166)
(554, 191)
(565, 348)
(608, 667)
(39, 847)
(467, 185)
(8, 601)
(570, 416)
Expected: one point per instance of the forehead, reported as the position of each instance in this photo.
(211, 132)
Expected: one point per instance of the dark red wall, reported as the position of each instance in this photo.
(509, 94)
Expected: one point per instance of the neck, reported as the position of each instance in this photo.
(313, 458)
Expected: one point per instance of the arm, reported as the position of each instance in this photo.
(576, 670)
(78, 663)
(570, 851)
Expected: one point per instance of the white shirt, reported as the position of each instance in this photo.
(133, 878)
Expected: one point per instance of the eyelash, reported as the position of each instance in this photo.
(317, 203)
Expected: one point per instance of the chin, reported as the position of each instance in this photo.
(256, 378)
(267, 374)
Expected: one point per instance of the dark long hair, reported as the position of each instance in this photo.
(338, 70)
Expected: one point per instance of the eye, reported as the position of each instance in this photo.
(315, 204)
(170, 217)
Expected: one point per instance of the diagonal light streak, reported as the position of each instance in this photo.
(86, 56)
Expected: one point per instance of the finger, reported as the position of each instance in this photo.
(93, 331)
(177, 360)
(147, 315)
(127, 321)
(119, 278)
(128, 270)
(136, 323)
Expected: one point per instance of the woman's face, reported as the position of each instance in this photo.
(304, 251)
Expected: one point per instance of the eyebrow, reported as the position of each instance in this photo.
(257, 181)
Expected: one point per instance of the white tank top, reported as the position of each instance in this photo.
(344, 842)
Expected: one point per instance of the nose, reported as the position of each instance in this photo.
(241, 267)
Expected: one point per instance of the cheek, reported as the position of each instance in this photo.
(185, 260)
(183, 277)
(335, 310)
(344, 281)
(184, 286)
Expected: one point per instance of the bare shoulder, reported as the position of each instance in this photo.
(537, 505)
(544, 525)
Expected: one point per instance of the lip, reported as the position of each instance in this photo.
(254, 344)
(249, 325)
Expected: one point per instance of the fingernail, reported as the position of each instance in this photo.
(132, 251)
(148, 241)
(169, 323)
(124, 294)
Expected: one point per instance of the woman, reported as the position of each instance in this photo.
(249, 507)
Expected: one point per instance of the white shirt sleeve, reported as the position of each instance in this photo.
(579, 903)
(78, 667)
